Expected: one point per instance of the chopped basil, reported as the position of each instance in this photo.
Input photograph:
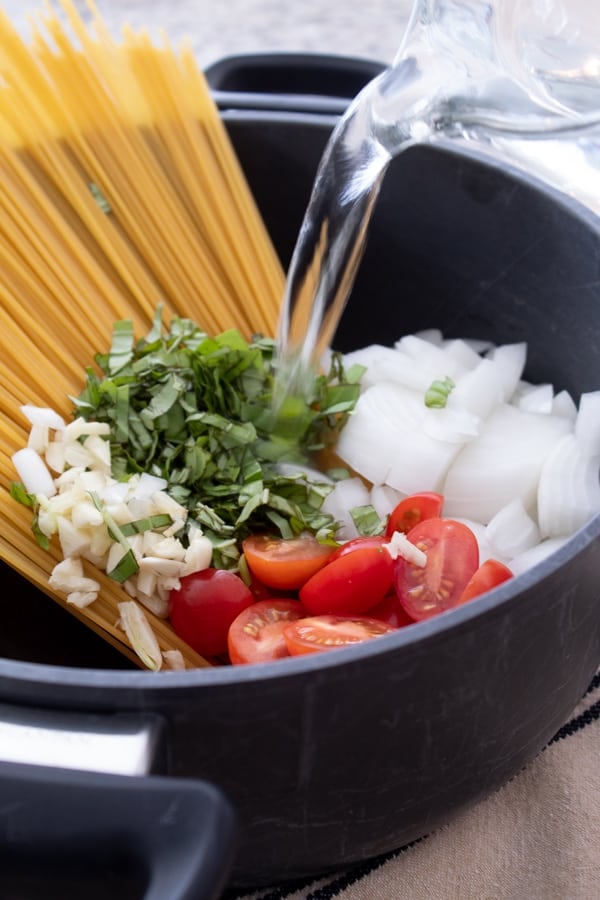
(99, 198)
(198, 412)
(150, 523)
(125, 568)
(127, 565)
(438, 392)
(18, 493)
(367, 520)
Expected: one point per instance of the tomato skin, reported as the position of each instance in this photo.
(489, 574)
(412, 510)
(262, 591)
(354, 580)
(391, 611)
(285, 564)
(452, 558)
(204, 607)
(316, 634)
(376, 540)
(256, 634)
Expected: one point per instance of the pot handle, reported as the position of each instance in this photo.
(177, 835)
(291, 82)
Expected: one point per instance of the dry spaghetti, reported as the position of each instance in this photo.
(119, 192)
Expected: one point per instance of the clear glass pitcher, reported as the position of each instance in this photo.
(520, 78)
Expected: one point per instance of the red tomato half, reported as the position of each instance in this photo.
(256, 635)
(376, 540)
(354, 580)
(488, 576)
(204, 607)
(391, 611)
(412, 510)
(452, 558)
(285, 564)
(318, 633)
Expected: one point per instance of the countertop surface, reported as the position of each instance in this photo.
(372, 30)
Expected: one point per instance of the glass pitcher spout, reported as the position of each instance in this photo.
(467, 67)
(474, 70)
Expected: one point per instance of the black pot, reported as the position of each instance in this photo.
(331, 759)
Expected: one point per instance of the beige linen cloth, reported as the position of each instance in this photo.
(537, 838)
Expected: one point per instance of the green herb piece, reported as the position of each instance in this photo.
(436, 396)
(128, 564)
(99, 198)
(125, 568)
(150, 523)
(338, 474)
(121, 351)
(367, 520)
(18, 493)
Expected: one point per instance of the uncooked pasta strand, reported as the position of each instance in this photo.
(119, 191)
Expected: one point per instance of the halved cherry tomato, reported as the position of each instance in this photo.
(285, 564)
(204, 607)
(391, 611)
(489, 574)
(412, 510)
(318, 633)
(256, 635)
(452, 558)
(262, 591)
(377, 540)
(355, 579)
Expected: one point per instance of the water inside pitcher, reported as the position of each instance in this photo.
(506, 75)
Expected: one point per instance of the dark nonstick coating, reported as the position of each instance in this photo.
(332, 760)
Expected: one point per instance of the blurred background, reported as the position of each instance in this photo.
(216, 28)
(371, 29)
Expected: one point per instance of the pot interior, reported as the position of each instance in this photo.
(455, 243)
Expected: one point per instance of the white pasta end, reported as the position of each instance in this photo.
(136, 626)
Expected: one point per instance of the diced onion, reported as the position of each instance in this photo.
(41, 415)
(148, 485)
(141, 637)
(568, 490)
(536, 555)
(537, 399)
(69, 578)
(479, 390)
(33, 472)
(509, 360)
(587, 424)
(462, 354)
(174, 660)
(504, 462)
(486, 551)
(387, 364)
(81, 427)
(564, 405)
(346, 495)
(512, 530)
(384, 441)
(384, 499)
(38, 439)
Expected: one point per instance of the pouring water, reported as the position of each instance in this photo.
(467, 70)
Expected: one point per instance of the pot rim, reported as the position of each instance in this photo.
(423, 632)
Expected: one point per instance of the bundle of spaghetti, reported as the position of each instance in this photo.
(119, 192)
